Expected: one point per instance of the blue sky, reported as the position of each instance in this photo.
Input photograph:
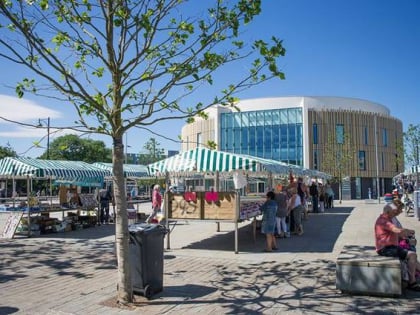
(366, 49)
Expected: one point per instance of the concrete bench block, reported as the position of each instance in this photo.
(360, 270)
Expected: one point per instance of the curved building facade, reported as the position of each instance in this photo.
(310, 132)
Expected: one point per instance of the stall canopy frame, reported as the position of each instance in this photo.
(130, 170)
(76, 173)
(201, 160)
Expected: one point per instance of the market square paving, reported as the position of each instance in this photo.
(75, 272)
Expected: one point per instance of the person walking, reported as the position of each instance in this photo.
(156, 203)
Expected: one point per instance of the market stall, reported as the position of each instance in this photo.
(67, 177)
(218, 203)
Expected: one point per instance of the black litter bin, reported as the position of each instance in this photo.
(146, 258)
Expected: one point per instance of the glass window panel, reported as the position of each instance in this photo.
(276, 136)
(222, 138)
(260, 119)
(366, 136)
(292, 136)
(315, 157)
(299, 118)
(260, 143)
(275, 114)
(252, 118)
(315, 133)
(244, 140)
(362, 160)
(299, 136)
(229, 139)
(385, 137)
(237, 139)
(283, 116)
(245, 119)
(339, 133)
(237, 120)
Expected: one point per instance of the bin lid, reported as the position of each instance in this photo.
(140, 228)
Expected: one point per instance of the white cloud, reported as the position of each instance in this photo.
(29, 132)
(22, 110)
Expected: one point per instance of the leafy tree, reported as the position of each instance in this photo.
(338, 158)
(7, 151)
(154, 152)
(132, 63)
(74, 148)
(412, 143)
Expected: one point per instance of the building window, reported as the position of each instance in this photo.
(274, 134)
(362, 160)
(382, 162)
(385, 137)
(366, 136)
(339, 133)
(315, 159)
(315, 133)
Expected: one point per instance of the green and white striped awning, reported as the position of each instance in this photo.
(130, 170)
(63, 172)
(205, 160)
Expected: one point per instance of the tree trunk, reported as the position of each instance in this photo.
(125, 294)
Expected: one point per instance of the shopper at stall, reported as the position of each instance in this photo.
(313, 191)
(105, 197)
(281, 199)
(268, 225)
(156, 203)
(295, 210)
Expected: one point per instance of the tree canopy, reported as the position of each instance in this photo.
(154, 152)
(412, 143)
(7, 151)
(74, 148)
(133, 63)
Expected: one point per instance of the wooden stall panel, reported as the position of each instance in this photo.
(221, 208)
(179, 208)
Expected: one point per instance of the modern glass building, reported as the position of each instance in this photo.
(304, 130)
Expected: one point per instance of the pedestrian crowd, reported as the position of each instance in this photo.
(286, 207)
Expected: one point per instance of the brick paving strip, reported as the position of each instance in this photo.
(75, 272)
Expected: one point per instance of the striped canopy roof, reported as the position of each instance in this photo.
(64, 172)
(130, 170)
(205, 160)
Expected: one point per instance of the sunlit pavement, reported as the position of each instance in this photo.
(75, 272)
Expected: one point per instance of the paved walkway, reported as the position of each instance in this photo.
(75, 273)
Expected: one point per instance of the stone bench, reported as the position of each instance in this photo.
(360, 270)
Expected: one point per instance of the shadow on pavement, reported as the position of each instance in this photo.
(321, 232)
(55, 257)
(249, 288)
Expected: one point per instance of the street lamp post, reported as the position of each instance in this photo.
(48, 134)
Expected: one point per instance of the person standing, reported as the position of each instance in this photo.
(321, 198)
(105, 198)
(295, 209)
(281, 214)
(156, 203)
(268, 225)
(313, 191)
